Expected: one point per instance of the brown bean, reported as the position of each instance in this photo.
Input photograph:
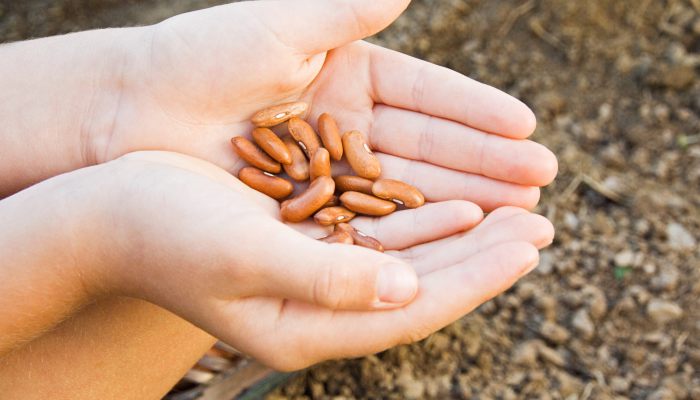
(398, 192)
(360, 157)
(333, 215)
(299, 168)
(249, 152)
(305, 136)
(338, 237)
(352, 183)
(272, 145)
(303, 206)
(265, 182)
(365, 204)
(359, 238)
(320, 164)
(330, 136)
(275, 115)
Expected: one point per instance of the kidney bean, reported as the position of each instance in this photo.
(311, 200)
(320, 164)
(359, 155)
(299, 168)
(338, 237)
(333, 215)
(330, 136)
(398, 192)
(249, 152)
(332, 202)
(275, 115)
(365, 204)
(265, 182)
(352, 183)
(359, 238)
(272, 145)
(305, 136)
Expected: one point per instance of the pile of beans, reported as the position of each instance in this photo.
(303, 155)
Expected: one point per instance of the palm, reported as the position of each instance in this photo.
(450, 136)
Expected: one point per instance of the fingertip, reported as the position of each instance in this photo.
(546, 167)
(530, 198)
(466, 213)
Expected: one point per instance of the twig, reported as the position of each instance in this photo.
(514, 15)
(538, 29)
(573, 186)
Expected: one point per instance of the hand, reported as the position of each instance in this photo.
(192, 82)
(200, 243)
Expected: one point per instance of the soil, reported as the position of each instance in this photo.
(613, 310)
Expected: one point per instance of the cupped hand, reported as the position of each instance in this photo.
(193, 81)
(190, 237)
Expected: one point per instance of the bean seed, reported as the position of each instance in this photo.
(332, 202)
(365, 204)
(275, 115)
(249, 152)
(320, 164)
(299, 168)
(398, 192)
(303, 206)
(272, 145)
(264, 182)
(333, 215)
(359, 155)
(359, 238)
(338, 237)
(351, 183)
(305, 136)
(330, 136)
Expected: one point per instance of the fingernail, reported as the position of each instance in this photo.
(396, 284)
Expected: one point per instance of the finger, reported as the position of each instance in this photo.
(402, 81)
(281, 262)
(449, 144)
(415, 252)
(315, 26)
(440, 184)
(432, 221)
(530, 228)
(444, 296)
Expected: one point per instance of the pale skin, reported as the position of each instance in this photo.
(185, 235)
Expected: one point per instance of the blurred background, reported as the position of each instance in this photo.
(613, 311)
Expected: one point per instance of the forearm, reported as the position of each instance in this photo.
(119, 348)
(57, 96)
(42, 279)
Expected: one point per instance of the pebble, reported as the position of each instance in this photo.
(554, 333)
(583, 324)
(526, 353)
(679, 238)
(619, 384)
(624, 258)
(662, 311)
(667, 278)
(551, 356)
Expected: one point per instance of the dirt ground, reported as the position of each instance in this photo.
(614, 309)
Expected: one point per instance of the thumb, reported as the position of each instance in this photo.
(315, 26)
(335, 276)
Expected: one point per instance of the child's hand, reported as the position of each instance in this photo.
(192, 82)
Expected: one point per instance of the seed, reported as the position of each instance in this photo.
(275, 115)
(303, 206)
(333, 215)
(351, 183)
(249, 152)
(365, 204)
(272, 145)
(398, 192)
(299, 167)
(320, 164)
(338, 237)
(302, 132)
(265, 182)
(360, 157)
(359, 238)
(330, 136)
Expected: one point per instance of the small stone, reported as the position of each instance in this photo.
(571, 221)
(526, 353)
(546, 263)
(624, 258)
(662, 311)
(679, 238)
(619, 384)
(551, 356)
(554, 333)
(410, 387)
(583, 324)
(667, 279)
